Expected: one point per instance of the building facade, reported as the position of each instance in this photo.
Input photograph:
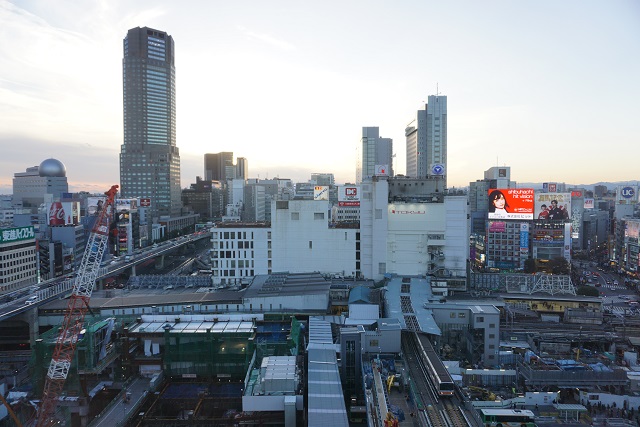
(39, 185)
(149, 157)
(373, 151)
(426, 138)
(18, 262)
(215, 166)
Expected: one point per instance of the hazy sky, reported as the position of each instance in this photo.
(550, 88)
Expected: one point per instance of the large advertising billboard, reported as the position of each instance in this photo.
(320, 192)
(94, 205)
(553, 206)
(16, 234)
(511, 203)
(126, 205)
(632, 229)
(349, 195)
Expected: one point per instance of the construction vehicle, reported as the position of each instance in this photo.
(76, 310)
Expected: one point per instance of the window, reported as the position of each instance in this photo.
(378, 213)
(462, 315)
(295, 216)
(480, 319)
(318, 215)
(452, 315)
(310, 244)
(492, 325)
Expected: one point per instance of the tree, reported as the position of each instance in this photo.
(559, 266)
(587, 291)
(530, 265)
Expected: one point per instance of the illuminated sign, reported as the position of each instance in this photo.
(145, 203)
(553, 206)
(589, 203)
(511, 203)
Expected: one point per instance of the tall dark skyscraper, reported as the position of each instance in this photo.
(216, 166)
(149, 157)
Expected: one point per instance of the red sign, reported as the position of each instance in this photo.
(145, 203)
(56, 214)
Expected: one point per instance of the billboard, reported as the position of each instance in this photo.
(145, 203)
(524, 238)
(497, 227)
(553, 206)
(627, 195)
(349, 195)
(589, 203)
(382, 170)
(511, 203)
(126, 205)
(632, 229)
(16, 234)
(320, 192)
(94, 205)
(544, 236)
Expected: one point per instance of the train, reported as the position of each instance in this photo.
(438, 374)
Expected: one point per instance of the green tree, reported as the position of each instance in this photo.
(559, 266)
(587, 291)
(530, 265)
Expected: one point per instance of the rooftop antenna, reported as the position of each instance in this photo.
(437, 90)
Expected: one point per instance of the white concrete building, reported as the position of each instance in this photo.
(240, 251)
(302, 240)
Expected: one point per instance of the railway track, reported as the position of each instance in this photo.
(433, 411)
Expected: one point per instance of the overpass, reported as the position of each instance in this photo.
(25, 308)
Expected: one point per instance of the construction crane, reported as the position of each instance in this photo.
(76, 310)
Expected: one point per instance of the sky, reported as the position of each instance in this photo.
(549, 88)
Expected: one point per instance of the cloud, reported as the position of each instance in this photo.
(268, 39)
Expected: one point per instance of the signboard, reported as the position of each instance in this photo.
(552, 187)
(547, 237)
(553, 206)
(627, 194)
(497, 226)
(511, 203)
(94, 205)
(145, 203)
(382, 170)
(320, 192)
(126, 205)
(17, 234)
(349, 195)
(524, 238)
(632, 229)
(567, 241)
(437, 169)
(589, 203)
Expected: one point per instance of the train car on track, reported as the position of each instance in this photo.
(440, 377)
(507, 417)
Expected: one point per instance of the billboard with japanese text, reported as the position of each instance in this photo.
(553, 206)
(511, 203)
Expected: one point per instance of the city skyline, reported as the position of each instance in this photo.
(261, 79)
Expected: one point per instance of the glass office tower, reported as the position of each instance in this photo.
(149, 157)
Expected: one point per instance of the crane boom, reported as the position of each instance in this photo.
(76, 310)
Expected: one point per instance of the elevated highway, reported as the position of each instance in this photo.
(61, 287)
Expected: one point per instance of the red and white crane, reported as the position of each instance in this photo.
(76, 310)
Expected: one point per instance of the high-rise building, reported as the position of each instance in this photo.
(242, 168)
(426, 138)
(373, 151)
(149, 157)
(216, 166)
(40, 184)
